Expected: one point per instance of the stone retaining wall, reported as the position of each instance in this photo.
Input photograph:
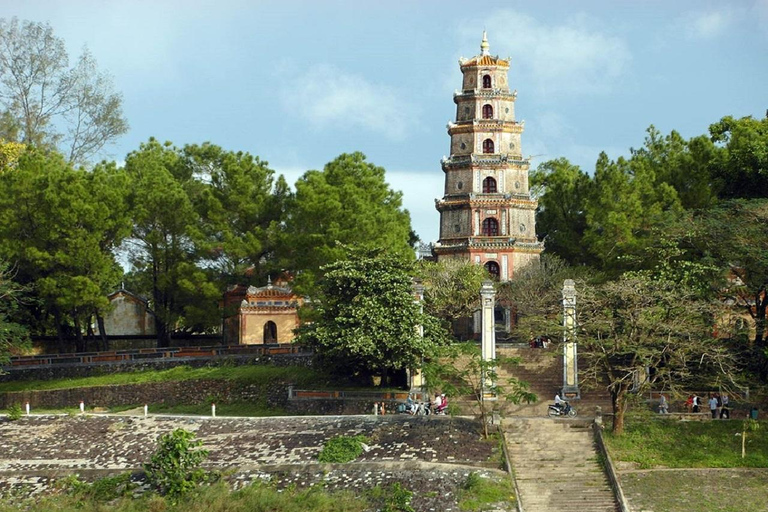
(274, 394)
(74, 371)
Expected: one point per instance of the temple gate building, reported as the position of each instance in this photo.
(486, 214)
(267, 314)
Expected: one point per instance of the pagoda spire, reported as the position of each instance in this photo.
(484, 46)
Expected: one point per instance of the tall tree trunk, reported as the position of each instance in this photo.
(102, 332)
(619, 402)
(59, 331)
(89, 328)
(761, 357)
(78, 332)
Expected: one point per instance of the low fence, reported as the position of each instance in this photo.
(144, 354)
(307, 394)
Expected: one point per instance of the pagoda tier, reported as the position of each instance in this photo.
(487, 214)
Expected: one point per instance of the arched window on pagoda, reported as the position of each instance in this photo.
(489, 186)
(487, 146)
(486, 81)
(493, 268)
(490, 227)
(487, 112)
(270, 332)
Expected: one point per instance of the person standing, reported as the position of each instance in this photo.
(663, 404)
(696, 400)
(713, 406)
(725, 413)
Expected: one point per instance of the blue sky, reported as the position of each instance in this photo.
(299, 82)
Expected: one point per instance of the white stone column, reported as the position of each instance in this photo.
(488, 335)
(415, 374)
(570, 352)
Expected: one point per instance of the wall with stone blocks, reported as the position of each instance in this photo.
(90, 370)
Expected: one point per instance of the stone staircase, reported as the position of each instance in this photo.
(542, 369)
(556, 466)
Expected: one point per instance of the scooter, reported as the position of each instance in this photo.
(563, 410)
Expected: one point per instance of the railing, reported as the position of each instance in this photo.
(142, 354)
(311, 394)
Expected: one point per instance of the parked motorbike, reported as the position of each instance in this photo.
(564, 409)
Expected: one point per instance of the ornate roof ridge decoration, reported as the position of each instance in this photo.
(268, 291)
(129, 294)
(483, 60)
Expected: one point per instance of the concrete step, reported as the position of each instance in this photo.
(556, 466)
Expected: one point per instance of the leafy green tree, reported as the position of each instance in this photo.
(41, 93)
(162, 244)
(349, 202)
(202, 217)
(633, 324)
(366, 319)
(688, 166)
(60, 227)
(451, 288)
(536, 291)
(734, 236)
(175, 466)
(744, 173)
(627, 201)
(12, 335)
(563, 190)
(240, 206)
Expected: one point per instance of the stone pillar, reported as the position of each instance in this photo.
(414, 375)
(488, 330)
(570, 353)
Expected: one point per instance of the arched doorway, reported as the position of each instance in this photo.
(270, 332)
(493, 268)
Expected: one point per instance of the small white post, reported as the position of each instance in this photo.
(213, 410)
(146, 409)
(82, 406)
(27, 408)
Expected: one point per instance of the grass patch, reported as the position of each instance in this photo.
(478, 492)
(247, 373)
(689, 444)
(744, 490)
(214, 498)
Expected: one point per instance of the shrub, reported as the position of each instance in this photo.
(342, 449)
(14, 412)
(175, 467)
(104, 489)
(399, 499)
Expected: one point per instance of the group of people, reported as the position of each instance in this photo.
(718, 405)
(438, 406)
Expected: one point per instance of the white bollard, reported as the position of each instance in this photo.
(146, 409)
(213, 410)
(82, 406)
(27, 408)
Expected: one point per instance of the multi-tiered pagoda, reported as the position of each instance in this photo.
(487, 214)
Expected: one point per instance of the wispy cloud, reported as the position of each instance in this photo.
(707, 25)
(325, 95)
(576, 56)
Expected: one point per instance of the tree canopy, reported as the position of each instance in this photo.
(50, 104)
(349, 203)
(635, 324)
(366, 320)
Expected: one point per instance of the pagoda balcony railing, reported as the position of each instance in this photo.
(483, 159)
(454, 198)
(486, 123)
(484, 93)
